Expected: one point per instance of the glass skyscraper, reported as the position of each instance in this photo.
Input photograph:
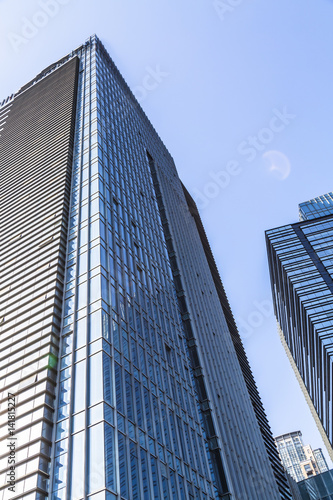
(301, 268)
(122, 372)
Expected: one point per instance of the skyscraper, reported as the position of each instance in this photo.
(122, 373)
(299, 460)
(301, 269)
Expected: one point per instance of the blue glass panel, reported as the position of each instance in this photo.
(134, 471)
(62, 430)
(94, 257)
(63, 412)
(82, 295)
(138, 399)
(95, 414)
(64, 392)
(115, 331)
(83, 260)
(77, 466)
(155, 478)
(80, 386)
(174, 491)
(96, 475)
(60, 470)
(147, 407)
(95, 288)
(110, 469)
(106, 326)
(129, 396)
(107, 379)
(61, 447)
(69, 306)
(122, 449)
(144, 472)
(105, 290)
(119, 388)
(81, 333)
(96, 379)
(95, 325)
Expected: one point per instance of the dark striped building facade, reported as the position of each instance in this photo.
(300, 259)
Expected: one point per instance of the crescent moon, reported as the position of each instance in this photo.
(277, 164)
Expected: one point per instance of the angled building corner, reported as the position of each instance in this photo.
(258, 408)
(117, 339)
(300, 265)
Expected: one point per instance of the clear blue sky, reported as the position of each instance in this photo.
(242, 97)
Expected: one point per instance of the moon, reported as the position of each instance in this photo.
(277, 164)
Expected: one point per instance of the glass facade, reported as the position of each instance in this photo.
(127, 411)
(318, 207)
(321, 461)
(300, 461)
(301, 268)
(148, 392)
(291, 451)
(318, 487)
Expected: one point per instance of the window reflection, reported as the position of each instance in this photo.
(95, 325)
(60, 470)
(96, 379)
(96, 463)
(80, 386)
(62, 430)
(81, 333)
(77, 466)
(95, 288)
(82, 295)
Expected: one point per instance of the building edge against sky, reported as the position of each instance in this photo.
(300, 257)
(150, 364)
(241, 355)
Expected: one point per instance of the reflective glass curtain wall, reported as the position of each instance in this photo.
(127, 416)
(150, 398)
(301, 268)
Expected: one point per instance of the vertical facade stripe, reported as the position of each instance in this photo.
(35, 170)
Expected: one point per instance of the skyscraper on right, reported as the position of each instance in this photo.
(300, 259)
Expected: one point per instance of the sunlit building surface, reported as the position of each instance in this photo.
(117, 341)
(301, 268)
(299, 460)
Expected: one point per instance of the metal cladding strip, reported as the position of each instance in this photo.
(265, 430)
(219, 474)
(35, 168)
(231, 407)
(4, 111)
(312, 254)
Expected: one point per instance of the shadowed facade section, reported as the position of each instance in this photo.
(35, 167)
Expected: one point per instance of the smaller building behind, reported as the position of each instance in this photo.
(300, 461)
